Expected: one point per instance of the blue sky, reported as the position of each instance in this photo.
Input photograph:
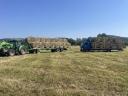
(63, 18)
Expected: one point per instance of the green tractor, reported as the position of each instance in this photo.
(15, 47)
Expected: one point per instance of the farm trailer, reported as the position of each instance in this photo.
(53, 44)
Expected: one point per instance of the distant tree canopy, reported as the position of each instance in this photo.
(71, 41)
(102, 35)
(78, 41)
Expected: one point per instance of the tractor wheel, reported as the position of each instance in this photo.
(61, 49)
(22, 52)
(11, 52)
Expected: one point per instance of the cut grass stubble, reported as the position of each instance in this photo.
(70, 73)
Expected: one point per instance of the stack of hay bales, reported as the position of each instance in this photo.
(107, 43)
(38, 42)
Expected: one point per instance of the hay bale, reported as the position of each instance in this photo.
(106, 43)
(39, 42)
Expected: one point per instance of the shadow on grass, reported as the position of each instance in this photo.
(102, 51)
(46, 52)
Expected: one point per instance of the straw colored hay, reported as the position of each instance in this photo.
(37, 42)
(107, 42)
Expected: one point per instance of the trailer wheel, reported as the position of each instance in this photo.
(58, 50)
(61, 49)
(36, 51)
(11, 52)
(109, 50)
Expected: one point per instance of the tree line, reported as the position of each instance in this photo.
(78, 41)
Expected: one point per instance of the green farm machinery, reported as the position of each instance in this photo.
(11, 47)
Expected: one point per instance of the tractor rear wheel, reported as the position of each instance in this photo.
(11, 52)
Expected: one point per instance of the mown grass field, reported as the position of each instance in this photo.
(70, 73)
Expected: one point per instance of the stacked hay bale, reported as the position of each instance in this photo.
(38, 42)
(107, 43)
(98, 43)
(117, 42)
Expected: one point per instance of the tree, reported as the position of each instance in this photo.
(71, 41)
(102, 35)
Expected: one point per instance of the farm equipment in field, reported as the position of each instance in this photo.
(102, 43)
(15, 47)
(52, 44)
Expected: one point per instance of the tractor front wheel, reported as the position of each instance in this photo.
(11, 52)
(22, 52)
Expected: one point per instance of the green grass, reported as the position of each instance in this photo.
(70, 73)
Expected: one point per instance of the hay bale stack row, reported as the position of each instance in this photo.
(106, 43)
(37, 42)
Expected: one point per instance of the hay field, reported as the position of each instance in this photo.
(70, 73)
